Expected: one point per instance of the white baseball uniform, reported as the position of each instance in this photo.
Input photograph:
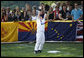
(40, 36)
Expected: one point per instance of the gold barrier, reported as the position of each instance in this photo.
(51, 21)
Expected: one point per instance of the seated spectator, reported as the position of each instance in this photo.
(63, 15)
(56, 13)
(76, 13)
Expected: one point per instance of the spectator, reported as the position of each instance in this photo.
(25, 17)
(81, 6)
(10, 17)
(53, 5)
(56, 13)
(68, 5)
(17, 8)
(42, 5)
(8, 13)
(17, 11)
(34, 16)
(59, 5)
(29, 11)
(69, 15)
(18, 16)
(51, 14)
(60, 12)
(34, 8)
(23, 9)
(46, 8)
(13, 17)
(63, 15)
(42, 15)
(76, 13)
(3, 15)
(8, 10)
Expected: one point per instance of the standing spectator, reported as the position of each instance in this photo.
(59, 5)
(53, 5)
(8, 10)
(34, 8)
(29, 11)
(8, 13)
(34, 16)
(64, 13)
(76, 13)
(23, 9)
(51, 14)
(56, 13)
(10, 17)
(22, 13)
(17, 9)
(25, 17)
(3, 17)
(81, 6)
(3, 13)
(70, 9)
(13, 17)
(69, 15)
(17, 12)
(42, 5)
(46, 8)
(68, 4)
(18, 15)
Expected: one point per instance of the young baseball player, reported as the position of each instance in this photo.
(40, 36)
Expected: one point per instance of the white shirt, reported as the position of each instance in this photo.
(40, 27)
(34, 17)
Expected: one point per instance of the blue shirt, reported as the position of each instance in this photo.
(76, 13)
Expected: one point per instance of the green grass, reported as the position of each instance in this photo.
(27, 50)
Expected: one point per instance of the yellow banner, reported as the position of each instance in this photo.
(29, 26)
(9, 31)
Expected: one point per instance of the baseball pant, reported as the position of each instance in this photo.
(40, 39)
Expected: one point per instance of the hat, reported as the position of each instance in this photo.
(53, 5)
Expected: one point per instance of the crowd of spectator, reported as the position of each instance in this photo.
(56, 11)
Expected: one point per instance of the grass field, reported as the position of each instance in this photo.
(70, 49)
